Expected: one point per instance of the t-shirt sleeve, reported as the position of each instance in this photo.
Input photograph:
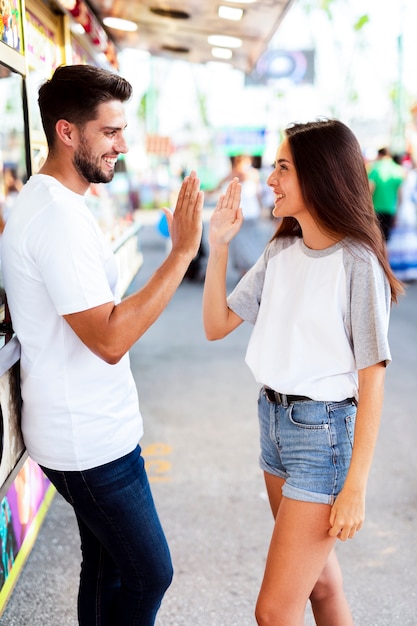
(245, 298)
(369, 312)
(71, 258)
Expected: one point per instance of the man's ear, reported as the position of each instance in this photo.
(65, 132)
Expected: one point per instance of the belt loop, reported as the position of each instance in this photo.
(284, 399)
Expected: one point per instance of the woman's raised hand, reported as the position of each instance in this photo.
(227, 217)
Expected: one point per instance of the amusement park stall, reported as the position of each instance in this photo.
(36, 37)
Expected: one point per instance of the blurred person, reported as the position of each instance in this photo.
(12, 185)
(250, 241)
(385, 180)
(402, 244)
(319, 299)
(12, 182)
(81, 420)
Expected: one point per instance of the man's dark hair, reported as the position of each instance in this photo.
(74, 92)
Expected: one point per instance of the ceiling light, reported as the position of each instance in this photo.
(119, 24)
(224, 41)
(222, 53)
(230, 13)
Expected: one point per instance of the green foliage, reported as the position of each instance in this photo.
(326, 6)
(202, 107)
(142, 108)
(360, 23)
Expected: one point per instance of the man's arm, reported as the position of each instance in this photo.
(110, 330)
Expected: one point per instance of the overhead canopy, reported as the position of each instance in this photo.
(180, 28)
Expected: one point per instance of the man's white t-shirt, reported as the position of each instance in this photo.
(78, 411)
(319, 316)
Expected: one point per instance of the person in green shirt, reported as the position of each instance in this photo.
(385, 179)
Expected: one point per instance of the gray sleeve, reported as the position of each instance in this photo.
(246, 296)
(369, 304)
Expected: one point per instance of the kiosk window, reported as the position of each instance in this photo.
(13, 171)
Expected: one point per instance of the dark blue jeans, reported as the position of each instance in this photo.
(126, 565)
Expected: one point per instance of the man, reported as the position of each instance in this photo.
(80, 419)
(385, 178)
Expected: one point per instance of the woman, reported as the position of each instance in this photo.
(319, 298)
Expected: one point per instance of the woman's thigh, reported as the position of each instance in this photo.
(297, 555)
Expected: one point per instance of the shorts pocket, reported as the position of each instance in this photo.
(309, 415)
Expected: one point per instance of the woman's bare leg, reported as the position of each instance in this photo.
(297, 561)
(328, 600)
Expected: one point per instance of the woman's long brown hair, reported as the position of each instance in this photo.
(334, 184)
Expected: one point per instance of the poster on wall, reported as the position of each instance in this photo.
(11, 24)
(22, 511)
(43, 57)
(42, 53)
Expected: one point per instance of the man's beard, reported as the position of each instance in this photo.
(87, 168)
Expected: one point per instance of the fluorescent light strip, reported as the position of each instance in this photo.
(222, 53)
(223, 41)
(119, 24)
(230, 13)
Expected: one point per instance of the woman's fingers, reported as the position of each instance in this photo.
(230, 199)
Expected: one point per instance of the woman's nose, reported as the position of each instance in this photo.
(270, 179)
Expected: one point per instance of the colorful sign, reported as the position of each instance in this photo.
(22, 510)
(242, 141)
(11, 24)
(41, 50)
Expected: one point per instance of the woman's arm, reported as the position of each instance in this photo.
(348, 512)
(225, 222)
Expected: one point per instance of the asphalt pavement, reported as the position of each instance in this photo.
(198, 400)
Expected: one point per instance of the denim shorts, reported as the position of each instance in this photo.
(308, 444)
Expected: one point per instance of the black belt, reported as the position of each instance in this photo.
(282, 398)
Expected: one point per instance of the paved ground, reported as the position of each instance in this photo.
(201, 444)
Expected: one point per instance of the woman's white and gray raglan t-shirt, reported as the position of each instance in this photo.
(319, 316)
